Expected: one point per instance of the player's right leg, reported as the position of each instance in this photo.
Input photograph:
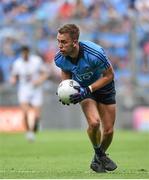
(89, 107)
(24, 98)
(25, 109)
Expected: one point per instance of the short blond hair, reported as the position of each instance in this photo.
(71, 29)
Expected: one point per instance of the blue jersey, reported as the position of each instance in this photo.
(91, 63)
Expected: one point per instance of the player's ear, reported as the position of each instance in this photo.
(75, 42)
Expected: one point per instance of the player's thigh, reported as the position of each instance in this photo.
(90, 109)
(107, 114)
(25, 107)
(24, 98)
(37, 99)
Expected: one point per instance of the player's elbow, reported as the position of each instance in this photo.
(111, 76)
(12, 81)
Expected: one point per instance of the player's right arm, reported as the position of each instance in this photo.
(13, 79)
(65, 75)
(14, 76)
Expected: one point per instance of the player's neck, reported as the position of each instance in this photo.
(26, 58)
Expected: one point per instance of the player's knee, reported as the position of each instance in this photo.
(108, 131)
(94, 125)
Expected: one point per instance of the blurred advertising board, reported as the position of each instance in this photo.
(141, 118)
(11, 119)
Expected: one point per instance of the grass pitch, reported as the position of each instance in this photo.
(67, 155)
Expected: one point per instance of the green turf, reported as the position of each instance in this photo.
(67, 154)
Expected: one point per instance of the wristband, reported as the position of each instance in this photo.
(90, 87)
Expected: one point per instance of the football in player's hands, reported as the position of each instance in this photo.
(65, 89)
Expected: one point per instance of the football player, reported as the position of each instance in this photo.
(87, 63)
(30, 72)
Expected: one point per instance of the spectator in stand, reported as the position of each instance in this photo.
(66, 10)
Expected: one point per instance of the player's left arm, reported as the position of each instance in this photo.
(107, 77)
(83, 92)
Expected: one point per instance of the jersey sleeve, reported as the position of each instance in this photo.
(102, 61)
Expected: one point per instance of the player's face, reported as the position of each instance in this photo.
(25, 55)
(66, 44)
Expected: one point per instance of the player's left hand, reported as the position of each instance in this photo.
(83, 92)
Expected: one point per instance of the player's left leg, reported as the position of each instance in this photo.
(90, 110)
(107, 114)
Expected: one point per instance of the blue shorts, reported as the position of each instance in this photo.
(106, 98)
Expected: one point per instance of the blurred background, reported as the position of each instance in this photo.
(120, 26)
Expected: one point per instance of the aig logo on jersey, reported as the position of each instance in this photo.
(84, 76)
